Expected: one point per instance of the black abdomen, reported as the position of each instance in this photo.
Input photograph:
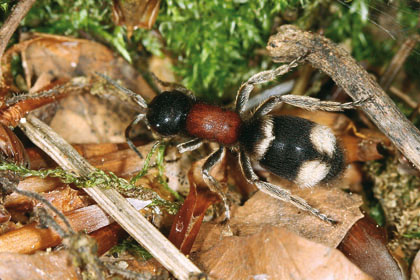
(294, 148)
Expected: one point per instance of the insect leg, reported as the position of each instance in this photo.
(213, 184)
(174, 86)
(312, 104)
(137, 98)
(277, 191)
(190, 145)
(267, 106)
(130, 143)
(265, 76)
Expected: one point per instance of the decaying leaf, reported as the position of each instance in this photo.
(188, 221)
(63, 198)
(11, 148)
(275, 253)
(90, 119)
(365, 246)
(107, 237)
(29, 238)
(262, 209)
(41, 265)
(54, 57)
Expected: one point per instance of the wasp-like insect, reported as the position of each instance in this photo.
(293, 148)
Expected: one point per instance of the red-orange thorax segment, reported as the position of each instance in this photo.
(213, 123)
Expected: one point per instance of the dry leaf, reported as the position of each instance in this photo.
(11, 148)
(365, 246)
(151, 268)
(90, 119)
(107, 237)
(30, 238)
(188, 220)
(62, 197)
(275, 253)
(61, 57)
(262, 209)
(41, 265)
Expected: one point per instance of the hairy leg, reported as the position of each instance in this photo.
(130, 143)
(213, 184)
(243, 93)
(277, 191)
(190, 145)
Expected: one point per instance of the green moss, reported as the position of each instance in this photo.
(216, 44)
(131, 246)
(96, 178)
(398, 195)
(215, 41)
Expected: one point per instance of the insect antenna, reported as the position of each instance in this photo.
(136, 97)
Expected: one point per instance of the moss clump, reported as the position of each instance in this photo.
(399, 196)
(218, 44)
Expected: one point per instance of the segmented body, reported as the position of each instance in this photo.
(294, 148)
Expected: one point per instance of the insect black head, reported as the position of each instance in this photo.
(168, 112)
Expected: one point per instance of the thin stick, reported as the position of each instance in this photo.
(398, 60)
(110, 200)
(291, 43)
(12, 22)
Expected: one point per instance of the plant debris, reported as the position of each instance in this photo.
(76, 202)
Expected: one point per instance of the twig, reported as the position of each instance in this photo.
(291, 43)
(398, 61)
(110, 200)
(12, 22)
(404, 97)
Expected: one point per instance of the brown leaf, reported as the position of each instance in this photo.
(275, 253)
(135, 13)
(365, 246)
(64, 198)
(90, 119)
(41, 265)
(30, 238)
(53, 57)
(188, 220)
(262, 209)
(11, 148)
(107, 237)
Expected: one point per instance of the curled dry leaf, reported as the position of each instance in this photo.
(276, 253)
(41, 265)
(11, 148)
(365, 246)
(262, 209)
(135, 13)
(188, 220)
